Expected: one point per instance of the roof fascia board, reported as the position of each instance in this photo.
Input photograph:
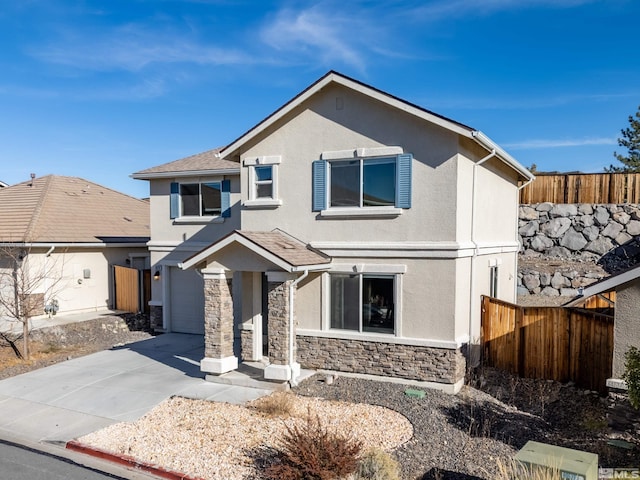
(607, 285)
(72, 244)
(333, 77)
(187, 173)
(490, 145)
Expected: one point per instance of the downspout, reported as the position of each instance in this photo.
(292, 340)
(473, 241)
(515, 284)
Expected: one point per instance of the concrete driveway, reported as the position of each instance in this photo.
(73, 398)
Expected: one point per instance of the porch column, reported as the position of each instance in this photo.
(218, 323)
(280, 315)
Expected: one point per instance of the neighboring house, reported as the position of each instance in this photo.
(626, 331)
(349, 230)
(71, 231)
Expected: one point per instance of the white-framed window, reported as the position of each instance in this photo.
(362, 302)
(493, 281)
(200, 200)
(364, 184)
(263, 181)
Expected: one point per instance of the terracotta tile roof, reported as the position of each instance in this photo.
(70, 209)
(195, 163)
(289, 249)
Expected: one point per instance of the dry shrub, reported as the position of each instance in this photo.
(376, 464)
(515, 470)
(312, 452)
(278, 404)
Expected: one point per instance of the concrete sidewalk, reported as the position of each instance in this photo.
(70, 399)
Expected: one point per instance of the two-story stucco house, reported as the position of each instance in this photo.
(349, 230)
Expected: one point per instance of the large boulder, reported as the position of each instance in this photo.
(564, 210)
(556, 228)
(573, 240)
(600, 245)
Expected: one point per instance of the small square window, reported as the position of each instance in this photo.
(263, 181)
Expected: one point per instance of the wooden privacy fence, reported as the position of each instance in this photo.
(127, 288)
(556, 343)
(583, 188)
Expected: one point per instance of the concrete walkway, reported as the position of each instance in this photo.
(73, 398)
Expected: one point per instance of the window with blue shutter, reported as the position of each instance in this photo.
(200, 200)
(174, 202)
(319, 185)
(366, 183)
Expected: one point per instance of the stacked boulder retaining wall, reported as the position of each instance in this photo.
(565, 247)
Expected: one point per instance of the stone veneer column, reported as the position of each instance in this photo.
(218, 323)
(280, 307)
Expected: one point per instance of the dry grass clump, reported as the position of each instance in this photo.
(278, 404)
(515, 470)
(376, 464)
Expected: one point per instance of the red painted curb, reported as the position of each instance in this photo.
(128, 462)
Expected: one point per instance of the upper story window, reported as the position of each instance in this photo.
(367, 185)
(362, 183)
(203, 200)
(262, 176)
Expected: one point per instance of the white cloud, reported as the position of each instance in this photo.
(327, 35)
(132, 48)
(560, 143)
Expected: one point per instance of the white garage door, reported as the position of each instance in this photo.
(187, 301)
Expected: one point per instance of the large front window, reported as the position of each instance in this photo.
(362, 302)
(363, 183)
(201, 199)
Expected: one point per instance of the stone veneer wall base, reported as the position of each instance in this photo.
(424, 364)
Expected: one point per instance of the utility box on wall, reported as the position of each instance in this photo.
(571, 464)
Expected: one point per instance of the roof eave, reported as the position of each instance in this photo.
(490, 145)
(185, 173)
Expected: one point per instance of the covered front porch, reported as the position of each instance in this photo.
(257, 328)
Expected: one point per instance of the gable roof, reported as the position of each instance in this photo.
(412, 109)
(606, 285)
(276, 246)
(57, 209)
(203, 163)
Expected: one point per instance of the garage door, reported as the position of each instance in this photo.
(187, 301)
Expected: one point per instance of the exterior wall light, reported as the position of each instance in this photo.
(156, 276)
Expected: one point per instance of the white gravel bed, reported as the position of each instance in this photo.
(220, 441)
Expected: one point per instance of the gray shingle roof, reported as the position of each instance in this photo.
(205, 161)
(70, 209)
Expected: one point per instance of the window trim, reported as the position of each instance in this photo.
(253, 201)
(176, 204)
(390, 271)
(321, 180)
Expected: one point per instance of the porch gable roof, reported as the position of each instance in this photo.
(276, 246)
(606, 285)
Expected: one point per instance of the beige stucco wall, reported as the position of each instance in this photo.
(626, 330)
(62, 274)
(317, 127)
(165, 229)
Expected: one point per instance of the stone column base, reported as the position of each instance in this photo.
(218, 366)
(282, 372)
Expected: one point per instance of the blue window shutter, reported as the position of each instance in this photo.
(174, 201)
(403, 179)
(319, 185)
(225, 199)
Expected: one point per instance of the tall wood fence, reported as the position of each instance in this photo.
(583, 188)
(556, 343)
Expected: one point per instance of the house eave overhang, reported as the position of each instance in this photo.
(236, 237)
(490, 145)
(186, 173)
(75, 244)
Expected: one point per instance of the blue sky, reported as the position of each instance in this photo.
(101, 89)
